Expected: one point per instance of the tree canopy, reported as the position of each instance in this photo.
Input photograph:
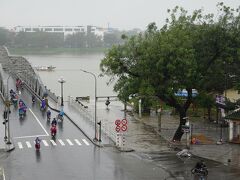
(189, 52)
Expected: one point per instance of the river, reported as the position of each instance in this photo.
(77, 82)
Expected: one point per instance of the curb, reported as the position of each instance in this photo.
(7, 147)
(123, 149)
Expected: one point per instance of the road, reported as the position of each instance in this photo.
(72, 156)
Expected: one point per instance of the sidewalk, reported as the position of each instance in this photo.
(144, 133)
(226, 153)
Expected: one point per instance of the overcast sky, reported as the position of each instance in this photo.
(122, 14)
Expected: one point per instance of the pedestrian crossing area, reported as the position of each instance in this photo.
(51, 142)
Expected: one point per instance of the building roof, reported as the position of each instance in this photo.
(235, 115)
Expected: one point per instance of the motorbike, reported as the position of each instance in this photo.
(14, 98)
(48, 117)
(21, 113)
(60, 117)
(33, 99)
(37, 145)
(43, 107)
(15, 102)
(184, 153)
(200, 171)
(53, 131)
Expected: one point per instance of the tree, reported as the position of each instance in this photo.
(39, 39)
(5, 36)
(188, 52)
(77, 40)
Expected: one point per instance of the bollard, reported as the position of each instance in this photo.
(100, 129)
(118, 140)
(123, 140)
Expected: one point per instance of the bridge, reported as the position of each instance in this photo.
(17, 67)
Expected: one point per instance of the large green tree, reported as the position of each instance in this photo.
(188, 52)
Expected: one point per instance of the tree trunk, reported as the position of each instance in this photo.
(179, 133)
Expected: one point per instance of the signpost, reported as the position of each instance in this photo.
(186, 129)
(121, 127)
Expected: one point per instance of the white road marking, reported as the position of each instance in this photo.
(53, 142)
(4, 178)
(61, 142)
(45, 143)
(38, 121)
(20, 145)
(85, 141)
(21, 137)
(76, 140)
(69, 142)
(28, 144)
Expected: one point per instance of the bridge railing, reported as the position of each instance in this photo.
(2, 85)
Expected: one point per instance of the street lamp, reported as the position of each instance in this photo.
(95, 105)
(7, 109)
(61, 80)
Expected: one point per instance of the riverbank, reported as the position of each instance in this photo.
(53, 51)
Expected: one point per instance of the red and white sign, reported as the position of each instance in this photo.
(121, 125)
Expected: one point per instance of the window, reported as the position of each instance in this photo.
(68, 29)
(58, 29)
(48, 29)
(36, 29)
(76, 29)
(27, 29)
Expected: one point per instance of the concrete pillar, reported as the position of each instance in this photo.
(230, 130)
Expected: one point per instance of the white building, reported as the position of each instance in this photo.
(53, 29)
(98, 31)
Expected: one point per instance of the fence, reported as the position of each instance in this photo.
(200, 134)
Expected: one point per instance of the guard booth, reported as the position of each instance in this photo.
(234, 126)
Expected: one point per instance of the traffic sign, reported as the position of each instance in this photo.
(121, 125)
(118, 122)
(124, 122)
(117, 128)
(124, 128)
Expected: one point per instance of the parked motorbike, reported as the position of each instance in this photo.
(200, 171)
